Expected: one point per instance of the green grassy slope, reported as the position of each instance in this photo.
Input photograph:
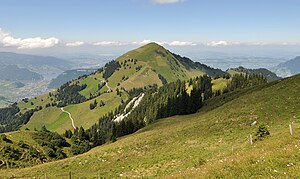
(55, 120)
(142, 67)
(35, 102)
(200, 145)
(161, 61)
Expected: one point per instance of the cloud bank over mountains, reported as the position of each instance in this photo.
(75, 44)
(27, 43)
(8, 40)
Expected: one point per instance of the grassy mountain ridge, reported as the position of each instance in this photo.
(148, 65)
(270, 76)
(189, 64)
(200, 145)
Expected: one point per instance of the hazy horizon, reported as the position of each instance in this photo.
(189, 27)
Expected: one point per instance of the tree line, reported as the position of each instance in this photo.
(110, 68)
(11, 119)
(241, 81)
(69, 94)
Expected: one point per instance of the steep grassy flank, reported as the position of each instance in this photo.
(200, 145)
(92, 82)
(146, 76)
(35, 102)
(161, 61)
(55, 120)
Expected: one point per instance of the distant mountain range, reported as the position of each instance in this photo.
(14, 73)
(48, 66)
(69, 75)
(289, 68)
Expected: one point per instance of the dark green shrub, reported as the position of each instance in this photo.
(261, 132)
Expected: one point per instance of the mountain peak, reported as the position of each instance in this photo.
(151, 47)
(151, 44)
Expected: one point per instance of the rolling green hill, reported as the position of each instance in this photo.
(148, 65)
(213, 143)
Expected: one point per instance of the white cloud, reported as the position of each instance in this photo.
(110, 43)
(28, 43)
(75, 44)
(179, 43)
(144, 42)
(218, 43)
(166, 1)
(173, 43)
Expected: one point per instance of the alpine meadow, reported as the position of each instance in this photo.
(215, 94)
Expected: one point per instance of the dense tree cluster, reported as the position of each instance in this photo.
(240, 81)
(51, 142)
(172, 99)
(11, 119)
(110, 68)
(261, 133)
(69, 94)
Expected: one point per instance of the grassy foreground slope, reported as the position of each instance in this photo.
(200, 145)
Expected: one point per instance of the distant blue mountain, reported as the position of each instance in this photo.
(14, 73)
(288, 68)
(47, 66)
(69, 75)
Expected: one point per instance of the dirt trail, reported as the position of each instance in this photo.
(70, 116)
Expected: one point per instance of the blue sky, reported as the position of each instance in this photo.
(127, 22)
